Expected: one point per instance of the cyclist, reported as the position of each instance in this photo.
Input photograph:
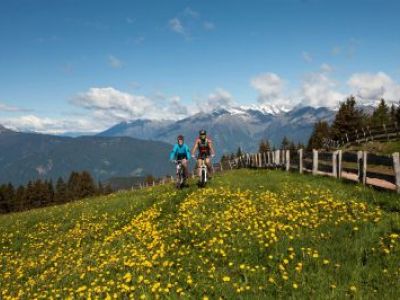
(205, 147)
(181, 152)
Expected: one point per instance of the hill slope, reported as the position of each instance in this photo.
(269, 234)
(29, 156)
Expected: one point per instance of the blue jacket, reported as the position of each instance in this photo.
(181, 150)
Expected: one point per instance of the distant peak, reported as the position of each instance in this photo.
(4, 129)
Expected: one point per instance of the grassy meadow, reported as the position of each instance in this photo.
(251, 234)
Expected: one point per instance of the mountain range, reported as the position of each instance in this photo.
(141, 147)
(231, 128)
(30, 156)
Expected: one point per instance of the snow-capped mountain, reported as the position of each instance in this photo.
(233, 127)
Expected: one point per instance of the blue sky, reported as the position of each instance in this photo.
(86, 65)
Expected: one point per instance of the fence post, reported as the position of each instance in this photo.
(288, 160)
(315, 162)
(362, 166)
(300, 161)
(277, 157)
(334, 164)
(269, 158)
(396, 165)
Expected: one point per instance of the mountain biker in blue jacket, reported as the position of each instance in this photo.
(181, 152)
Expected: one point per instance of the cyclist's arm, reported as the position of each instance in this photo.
(172, 155)
(211, 148)
(194, 147)
(188, 152)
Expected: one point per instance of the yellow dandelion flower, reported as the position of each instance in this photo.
(226, 279)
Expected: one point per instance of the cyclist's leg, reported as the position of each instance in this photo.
(199, 163)
(185, 167)
(209, 167)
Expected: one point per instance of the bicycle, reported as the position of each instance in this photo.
(180, 174)
(204, 172)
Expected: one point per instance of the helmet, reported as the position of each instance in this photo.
(180, 137)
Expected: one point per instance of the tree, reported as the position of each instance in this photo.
(149, 179)
(73, 185)
(239, 152)
(20, 202)
(285, 143)
(320, 132)
(61, 193)
(264, 146)
(348, 119)
(392, 113)
(397, 115)
(87, 187)
(381, 114)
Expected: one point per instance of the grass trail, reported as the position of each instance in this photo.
(249, 234)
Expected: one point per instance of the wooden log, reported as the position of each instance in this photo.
(315, 162)
(300, 161)
(396, 166)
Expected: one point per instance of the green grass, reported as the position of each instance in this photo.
(377, 147)
(252, 234)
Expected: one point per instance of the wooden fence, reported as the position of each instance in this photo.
(381, 171)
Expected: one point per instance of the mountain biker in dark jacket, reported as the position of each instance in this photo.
(205, 149)
(181, 152)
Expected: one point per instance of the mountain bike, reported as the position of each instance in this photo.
(180, 174)
(204, 172)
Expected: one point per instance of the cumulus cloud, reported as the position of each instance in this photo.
(176, 26)
(114, 62)
(208, 25)
(10, 108)
(111, 105)
(326, 68)
(51, 125)
(371, 87)
(191, 13)
(270, 88)
(307, 56)
(219, 98)
(318, 89)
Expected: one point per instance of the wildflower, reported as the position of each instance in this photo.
(226, 279)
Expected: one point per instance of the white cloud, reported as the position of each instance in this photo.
(114, 62)
(307, 57)
(176, 25)
(129, 20)
(50, 125)
(188, 12)
(326, 68)
(10, 108)
(219, 98)
(112, 105)
(270, 88)
(318, 89)
(208, 25)
(371, 87)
